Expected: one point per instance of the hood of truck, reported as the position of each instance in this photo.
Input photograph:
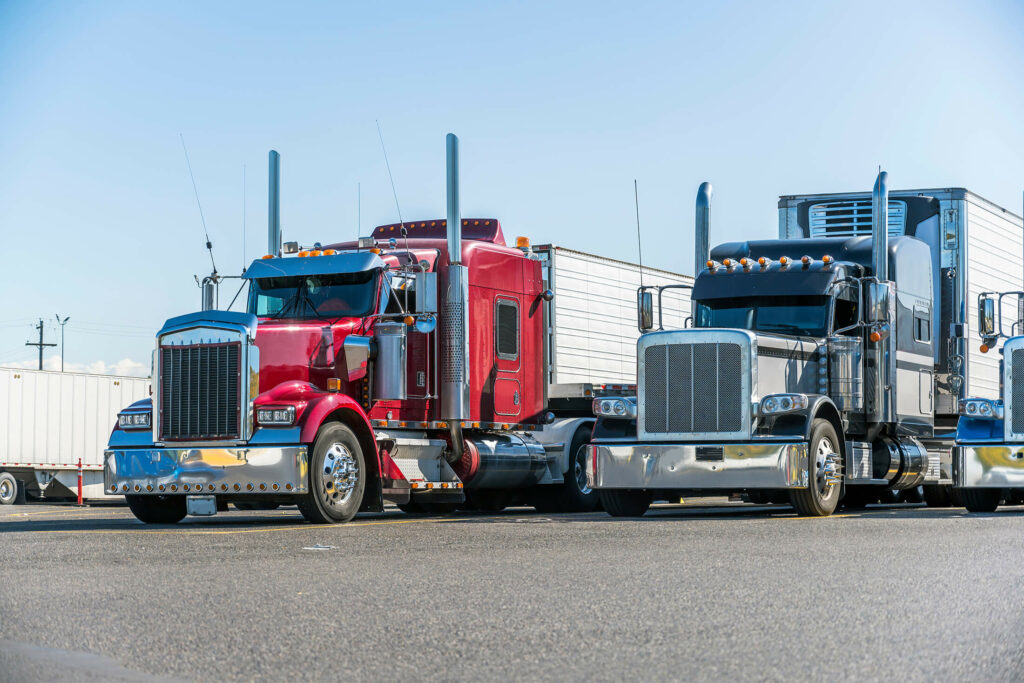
(787, 364)
(309, 351)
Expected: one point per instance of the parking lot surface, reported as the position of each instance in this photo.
(711, 591)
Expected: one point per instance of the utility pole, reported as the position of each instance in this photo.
(62, 323)
(39, 343)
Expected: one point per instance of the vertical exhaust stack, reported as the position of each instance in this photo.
(702, 232)
(274, 206)
(880, 227)
(455, 337)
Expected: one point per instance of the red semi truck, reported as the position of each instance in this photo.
(430, 365)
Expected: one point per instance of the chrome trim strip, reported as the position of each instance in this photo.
(199, 468)
(677, 466)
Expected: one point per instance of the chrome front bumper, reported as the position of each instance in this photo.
(246, 471)
(998, 466)
(698, 466)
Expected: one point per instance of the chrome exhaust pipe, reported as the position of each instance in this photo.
(702, 231)
(455, 337)
(274, 206)
(880, 227)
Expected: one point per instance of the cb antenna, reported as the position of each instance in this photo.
(639, 244)
(209, 244)
(401, 223)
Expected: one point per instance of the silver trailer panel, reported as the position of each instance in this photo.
(593, 319)
(976, 246)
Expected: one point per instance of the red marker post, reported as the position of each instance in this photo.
(79, 481)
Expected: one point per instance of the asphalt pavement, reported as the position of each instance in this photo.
(706, 591)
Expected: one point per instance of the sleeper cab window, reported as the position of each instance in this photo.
(922, 326)
(506, 329)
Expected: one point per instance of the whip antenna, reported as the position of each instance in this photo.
(401, 223)
(209, 244)
(639, 244)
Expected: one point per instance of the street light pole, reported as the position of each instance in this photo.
(62, 323)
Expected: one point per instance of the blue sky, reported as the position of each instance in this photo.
(559, 106)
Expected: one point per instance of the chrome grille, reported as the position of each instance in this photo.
(853, 218)
(200, 392)
(1016, 392)
(693, 388)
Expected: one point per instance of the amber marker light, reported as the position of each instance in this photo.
(727, 263)
(410, 321)
(826, 259)
(875, 337)
(267, 256)
(333, 384)
(329, 252)
(983, 348)
(806, 260)
(784, 260)
(523, 242)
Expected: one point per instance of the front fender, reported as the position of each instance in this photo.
(974, 430)
(798, 423)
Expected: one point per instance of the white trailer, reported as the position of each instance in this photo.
(49, 421)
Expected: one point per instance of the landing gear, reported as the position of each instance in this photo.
(337, 477)
(821, 496)
(157, 509)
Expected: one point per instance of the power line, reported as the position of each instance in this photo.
(41, 344)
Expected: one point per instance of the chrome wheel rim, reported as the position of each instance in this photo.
(6, 489)
(580, 470)
(339, 475)
(826, 471)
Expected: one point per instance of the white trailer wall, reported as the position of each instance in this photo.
(51, 419)
(995, 263)
(594, 317)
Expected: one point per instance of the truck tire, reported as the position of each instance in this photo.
(818, 499)
(337, 477)
(157, 509)
(8, 488)
(981, 500)
(623, 503)
(573, 494)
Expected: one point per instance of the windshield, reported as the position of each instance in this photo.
(795, 315)
(328, 296)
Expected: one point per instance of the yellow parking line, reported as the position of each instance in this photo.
(297, 527)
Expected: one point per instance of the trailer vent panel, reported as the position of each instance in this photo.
(693, 388)
(200, 390)
(853, 218)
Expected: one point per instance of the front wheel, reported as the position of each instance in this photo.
(620, 503)
(337, 477)
(981, 500)
(158, 509)
(821, 496)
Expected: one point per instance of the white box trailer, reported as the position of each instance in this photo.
(977, 246)
(51, 420)
(592, 320)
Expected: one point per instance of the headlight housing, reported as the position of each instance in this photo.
(276, 416)
(623, 407)
(981, 408)
(776, 404)
(134, 420)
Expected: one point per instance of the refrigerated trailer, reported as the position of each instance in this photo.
(49, 421)
(837, 355)
(431, 364)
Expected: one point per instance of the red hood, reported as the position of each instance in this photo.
(310, 351)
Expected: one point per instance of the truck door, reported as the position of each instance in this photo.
(508, 390)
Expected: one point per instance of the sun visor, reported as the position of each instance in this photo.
(794, 280)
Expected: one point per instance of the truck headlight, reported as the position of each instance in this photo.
(622, 407)
(276, 416)
(776, 404)
(982, 408)
(133, 420)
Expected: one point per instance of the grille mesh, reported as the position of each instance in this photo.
(200, 389)
(693, 388)
(1017, 391)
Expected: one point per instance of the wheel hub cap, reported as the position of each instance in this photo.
(340, 475)
(827, 472)
(580, 470)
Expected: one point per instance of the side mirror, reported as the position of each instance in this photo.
(426, 293)
(876, 302)
(645, 310)
(987, 317)
(357, 354)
